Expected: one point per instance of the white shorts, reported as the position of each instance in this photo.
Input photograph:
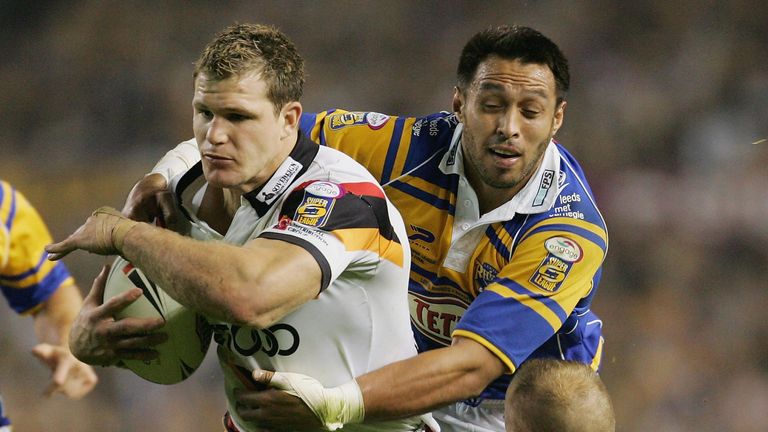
(460, 417)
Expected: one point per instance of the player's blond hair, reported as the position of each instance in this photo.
(242, 49)
(555, 395)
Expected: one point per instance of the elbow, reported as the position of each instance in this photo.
(252, 318)
(475, 382)
(245, 307)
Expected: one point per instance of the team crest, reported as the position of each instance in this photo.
(484, 275)
(562, 253)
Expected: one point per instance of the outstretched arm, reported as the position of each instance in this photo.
(409, 387)
(52, 324)
(429, 380)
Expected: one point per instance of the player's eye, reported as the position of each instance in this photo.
(492, 106)
(236, 117)
(205, 113)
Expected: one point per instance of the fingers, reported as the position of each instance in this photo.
(275, 410)
(96, 294)
(263, 376)
(276, 380)
(135, 335)
(119, 302)
(44, 352)
(140, 204)
(57, 251)
(63, 367)
(171, 216)
(72, 378)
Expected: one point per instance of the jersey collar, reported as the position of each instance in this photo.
(293, 167)
(260, 199)
(537, 196)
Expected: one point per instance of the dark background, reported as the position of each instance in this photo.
(667, 100)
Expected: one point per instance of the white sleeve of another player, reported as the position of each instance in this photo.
(178, 160)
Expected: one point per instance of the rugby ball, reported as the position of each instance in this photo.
(189, 334)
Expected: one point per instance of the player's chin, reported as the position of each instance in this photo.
(222, 178)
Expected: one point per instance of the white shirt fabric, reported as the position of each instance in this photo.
(359, 322)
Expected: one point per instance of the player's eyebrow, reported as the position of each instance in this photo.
(496, 87)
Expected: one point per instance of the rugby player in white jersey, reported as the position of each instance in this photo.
(296, 256)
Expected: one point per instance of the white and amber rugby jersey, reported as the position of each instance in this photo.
(27, 278)
(519, 279)
(323, 201)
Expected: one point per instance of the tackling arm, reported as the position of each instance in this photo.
(429, 380)
(409, 387)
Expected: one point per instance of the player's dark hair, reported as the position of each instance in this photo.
(514, 43)
(253, 48)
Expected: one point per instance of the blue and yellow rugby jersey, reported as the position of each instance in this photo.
(519, 279)
(27, 278)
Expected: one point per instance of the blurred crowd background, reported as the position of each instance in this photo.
(666, 114)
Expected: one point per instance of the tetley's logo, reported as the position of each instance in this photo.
(435, 317)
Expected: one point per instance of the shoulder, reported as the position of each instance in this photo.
(575, 198)
(16, 209)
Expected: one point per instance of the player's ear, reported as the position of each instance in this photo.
(458, 103)
(290, 114)
(559, 115)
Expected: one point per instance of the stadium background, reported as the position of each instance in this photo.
(667, 99)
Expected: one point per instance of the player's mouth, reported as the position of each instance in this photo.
(216, 159)
(504, 156)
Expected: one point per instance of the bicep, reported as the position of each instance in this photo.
(289, 274)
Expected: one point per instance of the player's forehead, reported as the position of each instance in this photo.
(498, 74)
(235, 90)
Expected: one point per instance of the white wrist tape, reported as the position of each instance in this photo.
(177, 160)
(344, 404)
(334, 407)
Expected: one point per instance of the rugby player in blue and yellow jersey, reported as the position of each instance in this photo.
(36, 287)
(507, 240)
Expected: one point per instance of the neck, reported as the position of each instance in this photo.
(218, 208)
(489, 197)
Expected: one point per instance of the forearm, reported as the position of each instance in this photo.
(428, 381)
(54, 320)
(203, 276)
